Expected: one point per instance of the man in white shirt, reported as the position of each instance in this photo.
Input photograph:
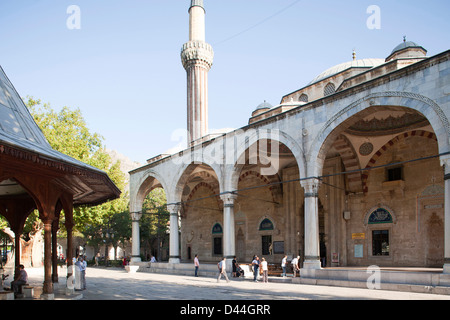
(222, 269)
(294, 263)
(283, 266)
(265, 270)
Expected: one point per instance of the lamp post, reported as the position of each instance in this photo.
(108, 236)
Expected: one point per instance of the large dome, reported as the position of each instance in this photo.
(361, 63)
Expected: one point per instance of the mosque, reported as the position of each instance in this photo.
(352, 169)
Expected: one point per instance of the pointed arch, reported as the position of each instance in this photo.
(390, 144)
(424, 105)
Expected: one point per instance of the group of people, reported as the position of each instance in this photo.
(295, 262)
(259, 267)
(21, 276)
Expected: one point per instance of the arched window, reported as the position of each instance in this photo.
(217, 232)
(266, 225)
(303, 98)
(380, 215)
(266, 237)
(329, 89)
(217, 229)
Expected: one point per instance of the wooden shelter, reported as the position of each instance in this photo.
(35, 176)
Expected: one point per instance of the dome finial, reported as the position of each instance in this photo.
(404, 38)
(354, 55)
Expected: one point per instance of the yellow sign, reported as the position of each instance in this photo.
(358, 236)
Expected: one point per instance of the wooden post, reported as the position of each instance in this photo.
(48, 284)
(55, 227)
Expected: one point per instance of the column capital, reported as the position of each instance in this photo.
(173, 208)
(311, 187)
(445, 162)
(228, 199)
(136, 216)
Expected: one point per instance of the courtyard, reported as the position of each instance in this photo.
(117, 284)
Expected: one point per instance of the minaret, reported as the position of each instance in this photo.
(197, 58)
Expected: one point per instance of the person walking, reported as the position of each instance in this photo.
(294, 263)
(255, 265)
(265, 270)
(196, 265)
(222, 270)
(283, 266)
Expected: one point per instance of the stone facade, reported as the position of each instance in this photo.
(348, 177)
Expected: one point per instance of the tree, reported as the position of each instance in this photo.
(154, 224)
(67, 132)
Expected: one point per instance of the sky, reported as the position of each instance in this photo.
(121, 65)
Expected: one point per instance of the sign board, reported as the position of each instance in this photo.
(278, 247)
(359, 250)
(335, 257)
(358, 236)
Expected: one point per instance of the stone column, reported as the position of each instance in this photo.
(229, 236)
(312, 240)
(135, 244)
(174, 250)
(446, 164)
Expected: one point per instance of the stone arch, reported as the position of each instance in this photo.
(212, 188)
(272, 184)
(234, 172)
(389, 144)
(147, 182)
(187, 168)
(424, 105)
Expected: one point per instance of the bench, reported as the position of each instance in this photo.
(274, 270)
(27, 291)
(6, 295)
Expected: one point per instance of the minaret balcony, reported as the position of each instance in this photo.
(197, 52)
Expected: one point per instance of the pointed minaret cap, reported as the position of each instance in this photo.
(197, 3)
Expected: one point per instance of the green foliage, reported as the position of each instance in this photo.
(67, 132)
(154, 223)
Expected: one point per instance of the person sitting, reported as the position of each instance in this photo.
(21, 279)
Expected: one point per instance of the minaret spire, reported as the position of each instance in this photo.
(197, 58)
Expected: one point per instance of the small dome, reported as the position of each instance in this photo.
(406, 44)
(264, 105)
(407, 49)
